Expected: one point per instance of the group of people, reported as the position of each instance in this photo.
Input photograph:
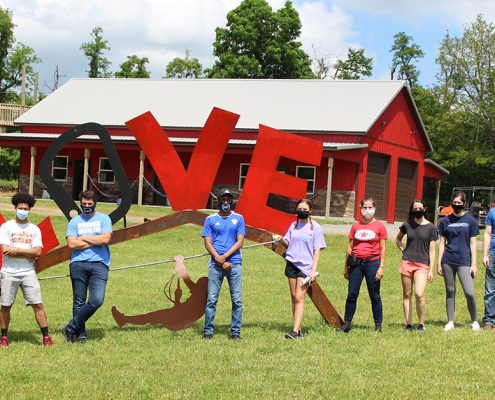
(89, 233)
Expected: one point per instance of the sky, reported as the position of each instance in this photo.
(162, 29)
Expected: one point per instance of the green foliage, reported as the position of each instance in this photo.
(405, 52)
(355, 66)
(10, 163)
(134, 67)
(12, 57)
(187, 67)
(260, 43)
(93, 50)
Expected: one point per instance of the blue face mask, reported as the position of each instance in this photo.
(21, 215)
(87, 211)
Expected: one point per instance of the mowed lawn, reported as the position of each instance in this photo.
(152, 362)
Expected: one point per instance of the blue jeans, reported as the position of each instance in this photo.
(215, 279)
(490, 292)
(86, 276)
(365, 270)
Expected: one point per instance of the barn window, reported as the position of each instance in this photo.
(60, 167)
(105, 173)
(243, 170)
(308, 173)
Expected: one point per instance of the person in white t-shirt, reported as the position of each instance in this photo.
(20, 241)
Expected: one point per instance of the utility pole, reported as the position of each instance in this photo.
(23, 92)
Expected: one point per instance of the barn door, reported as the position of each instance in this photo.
(406, 188)
(377, 182)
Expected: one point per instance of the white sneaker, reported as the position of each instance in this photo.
(475, 326)
(450, 326)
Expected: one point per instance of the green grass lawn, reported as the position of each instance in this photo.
(152, 362)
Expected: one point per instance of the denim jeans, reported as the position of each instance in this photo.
(215, 279)
(86, 276)
(365, 270)
(490, 292)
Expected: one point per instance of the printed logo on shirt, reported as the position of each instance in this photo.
(217, 223)
(21, 238)
(364, 235)
(459, 225)
(89, 228)
(234, 221)
(306, 238)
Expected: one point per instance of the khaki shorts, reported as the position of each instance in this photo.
(29, 285)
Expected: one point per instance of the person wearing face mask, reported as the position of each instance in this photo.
(88, 235)
(223, 235)
(21, 243)
(365, 259)
(457, 256)
(418, 260)
(304, 240)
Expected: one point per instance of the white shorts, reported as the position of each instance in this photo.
(29, 285)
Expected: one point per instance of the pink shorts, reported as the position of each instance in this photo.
(409, 268)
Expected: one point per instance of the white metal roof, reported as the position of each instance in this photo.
(178, 140)
(293, 105)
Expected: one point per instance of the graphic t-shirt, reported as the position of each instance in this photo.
(303, 241)
(223, 232)
(366, 239)
(418, 241)
(24, 236)
(96, 225)
(458, 231)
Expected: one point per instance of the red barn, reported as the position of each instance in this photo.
(373, 138)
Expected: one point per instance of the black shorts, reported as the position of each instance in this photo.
(291, 271)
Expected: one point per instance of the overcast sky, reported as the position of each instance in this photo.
(162, 29)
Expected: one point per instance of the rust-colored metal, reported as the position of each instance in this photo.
(180, 218)
(183, 314)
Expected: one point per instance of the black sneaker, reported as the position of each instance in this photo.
(292, 335)
(235, 337)
(68, 335)
(300, 335)
(409, 328)
(207, 336)
(378, 328)
(421, 328)
(346, 327)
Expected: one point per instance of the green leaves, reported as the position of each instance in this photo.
(355, 66)
(93, 50)
(405, 53)
(134, 67)
(187, 67)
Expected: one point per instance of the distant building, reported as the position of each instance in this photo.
(373, 138)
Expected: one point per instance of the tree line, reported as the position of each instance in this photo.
(458, 111)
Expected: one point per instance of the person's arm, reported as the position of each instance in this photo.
(281, 240)
(383, 253)
(314, 267)
(13, 251)
(398, 241)
(97, 240)
(432, 250)
(473, 244)
(441, 249)
(236, 246)
(347, 253)
(77, 244)
(487, 237)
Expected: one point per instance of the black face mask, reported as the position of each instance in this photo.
(457, 207)
(418, 213)
(302, 214)
(87, 211)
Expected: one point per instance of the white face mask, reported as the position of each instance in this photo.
(367, 212)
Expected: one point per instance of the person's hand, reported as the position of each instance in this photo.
(312, 276)
(440, 270)
(220, 259)
(379, 274)
(430, 277)
(10, 250)
(346, 272)
(486, 261)
(276, 238)
(474, 271)
(227, 266)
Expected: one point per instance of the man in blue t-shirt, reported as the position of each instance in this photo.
(223, 234)
(87, 235)
(489, 263)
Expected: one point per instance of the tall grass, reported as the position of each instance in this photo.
(152, 362)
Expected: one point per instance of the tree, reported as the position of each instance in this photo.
(260, 43)
(98, 64)
(134, 67)
(405, 53)
(12, 57)
(187, 67)
(355, 66)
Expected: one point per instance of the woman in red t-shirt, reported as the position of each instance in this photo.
(365, 258)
